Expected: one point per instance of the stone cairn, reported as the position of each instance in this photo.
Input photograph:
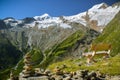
(28, 70)
(59, 74)
(11, 76)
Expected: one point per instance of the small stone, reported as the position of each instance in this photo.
(84, 73)
(64, 66)
(92, 74)
(47, 72)
(58, 78)
(67, 78)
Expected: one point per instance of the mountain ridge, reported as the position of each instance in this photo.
(98, 16)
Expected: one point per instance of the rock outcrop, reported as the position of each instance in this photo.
(78, 75)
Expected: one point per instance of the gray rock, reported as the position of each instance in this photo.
(35, 78)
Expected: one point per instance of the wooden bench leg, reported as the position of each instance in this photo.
(88, 60)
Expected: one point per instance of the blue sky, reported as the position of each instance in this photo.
(29, 8)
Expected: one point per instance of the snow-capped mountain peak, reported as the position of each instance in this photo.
(103, 16)
(42, 17)
(99, 6)
(45, 15)
(96, 17)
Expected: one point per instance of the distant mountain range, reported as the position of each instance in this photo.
(97, 16)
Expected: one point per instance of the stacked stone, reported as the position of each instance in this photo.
(11, 76)
(28, 71)
(58, 71)
(78, 75)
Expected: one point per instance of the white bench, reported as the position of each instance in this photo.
(102, 49)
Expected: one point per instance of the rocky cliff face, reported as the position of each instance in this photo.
(9, 54)
(45, 31)
(42, 38)
(41, 31)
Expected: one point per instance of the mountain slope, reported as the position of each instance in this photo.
(56, 38)
(111, 35)
(9, 56)
(96, 17)
(68, 48)
(45, 31)
(108, 67)
(8, 53)
(72, 47)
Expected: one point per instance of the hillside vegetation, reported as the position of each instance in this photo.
(67, 47)
(58, 52)
(109, 66)
(9, 56)
(111, 35)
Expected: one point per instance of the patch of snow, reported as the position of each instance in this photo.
(77, 18)
(45, 15)
(42, 17)
(19, 21)
(63, 25)
(8, 20)
(13, 24)
(103, 16)
(45, 21)
(96, 7)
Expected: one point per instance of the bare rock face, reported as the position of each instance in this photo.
(42, 38)
(104, 6)
(45, 31)
(2, 24)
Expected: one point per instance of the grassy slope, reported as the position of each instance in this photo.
(56, 52)
(111, 35)
(109, 66)
(51, 54)
(61, 49)
(5, 74)
(9, 56)
(36, 56)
